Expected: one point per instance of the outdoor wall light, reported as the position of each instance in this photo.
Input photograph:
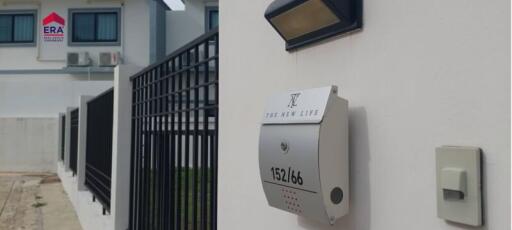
(302, 22)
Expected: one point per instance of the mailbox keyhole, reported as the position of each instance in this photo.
(336, 195)
(284, 146)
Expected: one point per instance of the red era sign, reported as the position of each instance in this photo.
(53, 28)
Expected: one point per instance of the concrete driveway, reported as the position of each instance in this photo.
(35, 202)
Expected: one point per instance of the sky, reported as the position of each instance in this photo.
(175, 4)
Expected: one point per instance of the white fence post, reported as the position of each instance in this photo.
(121, 143)
(82, 141)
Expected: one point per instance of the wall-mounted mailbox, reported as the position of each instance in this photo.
(303, 153)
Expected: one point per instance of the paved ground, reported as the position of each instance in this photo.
(35, 202)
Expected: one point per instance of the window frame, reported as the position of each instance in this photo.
(94, 11)
(35, 36)
(207, 12)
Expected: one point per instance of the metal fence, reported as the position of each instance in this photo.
(174, 140)
(98, 159)
(73, 150)
(63, 136)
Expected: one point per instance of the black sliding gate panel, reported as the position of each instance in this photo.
(73, 150)
(98, 159)
(63, 136)
(174, 140)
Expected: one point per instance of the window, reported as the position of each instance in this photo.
(95, 27)
(212, 18)
(17, 27)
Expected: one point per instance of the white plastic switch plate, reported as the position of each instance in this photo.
(459, 196)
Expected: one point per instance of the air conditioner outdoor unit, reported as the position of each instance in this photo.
(78, 59)
(109, 59)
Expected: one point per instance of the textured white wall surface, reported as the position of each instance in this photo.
(421, 74)
(28, 144)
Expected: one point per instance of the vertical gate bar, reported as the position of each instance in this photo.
(147, 155)
(153, 171)
(132, 160)
(204, 167)
(132, 144)
(156, 150)
(142, 156)
(140, 152)
(196, 137)
(160, 147)
(180, 140)
(187, 140)
(216, 138)
(160, 153)
(150, 151)
(147, 148)
(173, 178)
(166, 192)
(211, 176)
(137, 154)
(163, 164)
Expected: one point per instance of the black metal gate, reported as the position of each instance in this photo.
(73, 150)
(174, 140)
(98, 158)
(62, 136)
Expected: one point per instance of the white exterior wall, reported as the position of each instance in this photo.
(420, 75)
(28, 144)
(134, 14)
(46, 95)
(184, 26)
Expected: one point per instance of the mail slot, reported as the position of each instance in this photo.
(303, 153)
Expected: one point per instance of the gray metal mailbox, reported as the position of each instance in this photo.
(303, 153)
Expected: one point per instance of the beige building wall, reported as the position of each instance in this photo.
(421, 74)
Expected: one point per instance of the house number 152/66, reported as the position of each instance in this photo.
(287, 176)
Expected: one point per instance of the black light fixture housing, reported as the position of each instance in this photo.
(302, 22)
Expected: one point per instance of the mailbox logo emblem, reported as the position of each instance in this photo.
(293, 100)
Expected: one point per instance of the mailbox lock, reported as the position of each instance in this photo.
(336, 195)
(284, 146)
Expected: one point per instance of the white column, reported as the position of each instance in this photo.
(121, 142)
(82, 141)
